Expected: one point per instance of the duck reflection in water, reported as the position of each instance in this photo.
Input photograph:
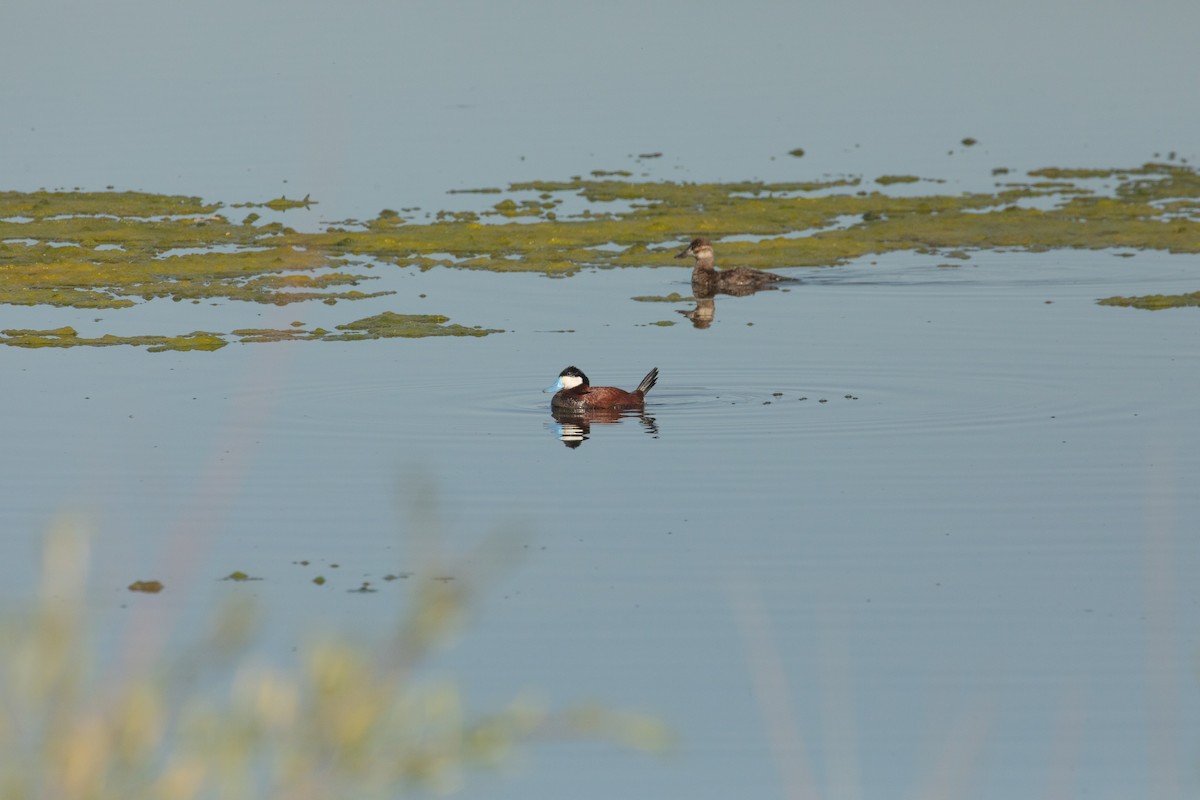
(574, 427)
(577, 404)
(702, 315)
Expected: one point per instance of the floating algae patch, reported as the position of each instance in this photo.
(259, 335)
(1060, 174)
(117, 257)
(68, 337)
(41, 205)
(112, 250)
(407, 326)
(380, 326)
(239, 576)
(279, 204)
(1154, 302)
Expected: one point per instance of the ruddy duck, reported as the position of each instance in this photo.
(707, 280)
(574, 392)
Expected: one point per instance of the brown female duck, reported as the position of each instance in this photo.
(707, 280)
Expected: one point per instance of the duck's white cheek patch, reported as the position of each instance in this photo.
(569, 381)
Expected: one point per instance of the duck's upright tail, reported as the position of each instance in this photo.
(647, 382)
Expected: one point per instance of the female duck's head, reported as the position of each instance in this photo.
(700, 249)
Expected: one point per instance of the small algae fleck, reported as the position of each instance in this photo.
(1154, 302)
(673, 297)
(238, 575)
(887, 180)
(149, 587)
(408, 326)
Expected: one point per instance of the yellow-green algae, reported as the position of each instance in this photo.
(381, 326)
(1154, 302)
(673, 297)
(253, 335)
(238, 575)
(390, 325)
(115, 249)
(68, 337)
(283, 204)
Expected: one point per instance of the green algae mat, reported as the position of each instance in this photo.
(112, 250)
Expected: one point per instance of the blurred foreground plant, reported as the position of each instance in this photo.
(345, 721)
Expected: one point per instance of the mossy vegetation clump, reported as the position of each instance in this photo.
(112, 250)
(390, 325)
(1154, 302)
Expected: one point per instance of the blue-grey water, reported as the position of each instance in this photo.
(900, 531)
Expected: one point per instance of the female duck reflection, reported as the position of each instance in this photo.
(577, 404)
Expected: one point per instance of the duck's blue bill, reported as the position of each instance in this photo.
(554, 387)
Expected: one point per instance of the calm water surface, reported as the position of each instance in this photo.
(900, 531)
(924, 525)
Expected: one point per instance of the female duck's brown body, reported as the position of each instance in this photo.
(707, 280)
(574, 392)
